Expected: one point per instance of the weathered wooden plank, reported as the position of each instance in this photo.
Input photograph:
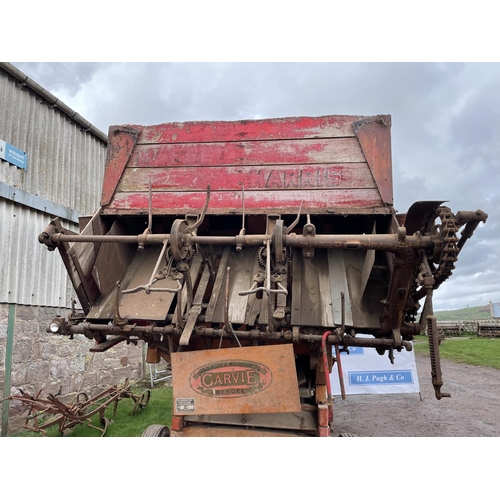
(264, 308)
(318, 176)
(325, 292)
(120, 254)
(140, 305)
(255, 201)
(300, 421)
(367, 265)
(277, 128)
(240, 279)
(104, 307)
(339, 284)
(366, 310)
(305, 151)
(375, 140)
(121, 143)
(296, 313)
(218, 285)
(195, 310)
(79, 259)
(311, 301)
(237, 380)
(241, 268)
(193, 272)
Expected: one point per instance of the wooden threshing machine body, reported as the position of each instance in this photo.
(242, 252)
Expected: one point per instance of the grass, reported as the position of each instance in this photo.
(475, 351)
(466, 314)
(125, 424)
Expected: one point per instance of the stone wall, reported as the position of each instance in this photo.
(56, 364)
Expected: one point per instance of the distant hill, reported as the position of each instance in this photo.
(467, 314)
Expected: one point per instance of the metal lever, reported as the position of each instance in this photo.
(437, 379)
(198, 223)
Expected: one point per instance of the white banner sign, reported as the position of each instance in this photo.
(366, 372)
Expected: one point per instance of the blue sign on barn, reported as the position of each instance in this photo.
(13, 155)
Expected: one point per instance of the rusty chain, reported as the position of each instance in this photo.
(449, 249)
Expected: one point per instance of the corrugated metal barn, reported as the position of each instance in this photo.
(51, 165)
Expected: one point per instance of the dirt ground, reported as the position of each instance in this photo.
(473, 410)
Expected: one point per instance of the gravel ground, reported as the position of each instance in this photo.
(472, 411)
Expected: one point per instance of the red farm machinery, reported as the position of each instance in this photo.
(248, 255)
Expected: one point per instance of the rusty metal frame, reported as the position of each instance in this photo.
(47, 412)
(410, 253)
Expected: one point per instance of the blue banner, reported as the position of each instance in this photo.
(367, 372)
(380, 377)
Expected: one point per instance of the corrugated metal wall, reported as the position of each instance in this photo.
(30, 274)
(65, 164)
(66, 167)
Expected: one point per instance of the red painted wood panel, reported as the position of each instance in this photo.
(316, 176)
(304, 151)
(248, 130)
(224, 202)
(328, 162)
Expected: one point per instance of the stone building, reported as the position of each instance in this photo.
(51, 165)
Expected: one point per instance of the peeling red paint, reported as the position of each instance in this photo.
(325, 162)
(269, 129)
(255, 201)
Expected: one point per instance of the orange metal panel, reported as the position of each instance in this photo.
(259, 379)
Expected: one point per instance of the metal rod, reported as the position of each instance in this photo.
(325, 365)
(268, 287)
(226, 301)
(8, 368)
(340, 372)
(137, 330)
(150, 211)
(388, 242)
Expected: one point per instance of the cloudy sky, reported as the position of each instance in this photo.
(445, 116)
(445, 125)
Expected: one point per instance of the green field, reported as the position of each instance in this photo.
(466, 314)
(477, 351)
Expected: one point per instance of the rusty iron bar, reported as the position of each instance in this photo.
(146, 331)
(388, 242)
(340, 371)
(325, 365)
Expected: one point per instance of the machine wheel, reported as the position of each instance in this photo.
(142, 402)
(156, 430)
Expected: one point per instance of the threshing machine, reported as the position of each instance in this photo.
(249, 254)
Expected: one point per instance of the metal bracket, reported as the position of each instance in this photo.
(309, 231)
